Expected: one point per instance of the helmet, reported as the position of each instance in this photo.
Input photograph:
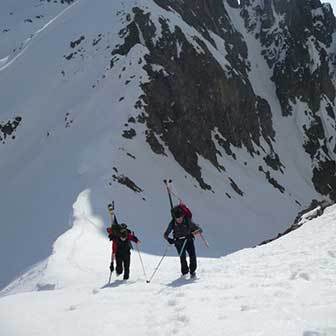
(177, 212)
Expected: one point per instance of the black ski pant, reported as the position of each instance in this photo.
(123, 261)
(190, 248)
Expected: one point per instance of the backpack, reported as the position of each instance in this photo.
(116, 229)
(186, 211)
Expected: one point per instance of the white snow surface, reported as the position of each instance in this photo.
(286, 287)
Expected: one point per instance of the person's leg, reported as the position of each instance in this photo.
(127, 262)
(190, 247)
(119, 264)
(183, 256)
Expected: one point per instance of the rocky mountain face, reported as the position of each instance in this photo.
(296, 39)
(200, 96)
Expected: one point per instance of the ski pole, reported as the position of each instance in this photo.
(157, 267)
(183, 246)
(204, 240)
(112, 263)
(170, 192)
(143, 268)
(198, 232)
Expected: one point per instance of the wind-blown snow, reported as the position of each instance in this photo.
(284, 288)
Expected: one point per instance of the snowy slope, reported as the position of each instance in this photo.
(56, 75)
(284, 288)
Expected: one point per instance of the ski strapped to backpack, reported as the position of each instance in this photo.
(116, 230)
(167, 183)
(185, 209)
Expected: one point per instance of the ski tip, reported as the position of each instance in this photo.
(110, 207)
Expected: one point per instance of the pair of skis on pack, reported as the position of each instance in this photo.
(170, 193)
(114, 221)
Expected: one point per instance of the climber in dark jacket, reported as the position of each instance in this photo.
(122, 251)
(184, 231)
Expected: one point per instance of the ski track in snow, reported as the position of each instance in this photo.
(29, 40)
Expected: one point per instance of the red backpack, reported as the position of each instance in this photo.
(186, 211)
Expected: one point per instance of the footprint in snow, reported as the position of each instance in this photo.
(180, 294)
(303, 275)
(281, 294)
(182, 318)
(247, 308)
(172, 303)
(178, 309)
(293, 276)
(322, 332)
(298, 274)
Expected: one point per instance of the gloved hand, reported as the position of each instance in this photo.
(111, 267)
(171, 240)
(196, 232)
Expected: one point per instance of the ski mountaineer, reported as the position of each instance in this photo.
(184, 231)
(121, 248)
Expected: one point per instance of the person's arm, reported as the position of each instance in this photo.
(195, 229)
(168, 230)
(133, 238)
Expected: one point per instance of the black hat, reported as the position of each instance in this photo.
(123, 233)
(177, 212)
